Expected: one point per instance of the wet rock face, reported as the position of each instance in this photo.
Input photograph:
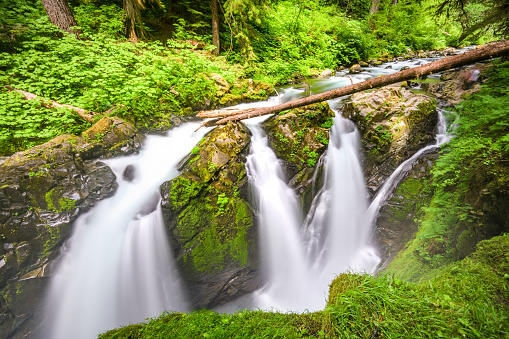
(452, 90)
(42, 191)
(299, 137)
(396, 223)
(211, 224)
(394, 124)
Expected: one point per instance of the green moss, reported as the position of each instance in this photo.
(182, 190)
(57, 203)
(222, 241)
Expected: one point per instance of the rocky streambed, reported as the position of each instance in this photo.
(208, 209)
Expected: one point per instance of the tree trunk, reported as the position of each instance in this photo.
(215, 26)
(394, 2)
(60, 14)
(374, 6)
(133, 24)
(491, 51)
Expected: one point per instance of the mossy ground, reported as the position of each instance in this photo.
(469, 299)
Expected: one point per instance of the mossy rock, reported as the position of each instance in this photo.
(242, 91)
(396, 222)
(42, 191)
(394, 124)
(210, 221)
(299, 137)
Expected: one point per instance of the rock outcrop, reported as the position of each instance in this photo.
(299, 137)
(211, 224)
(396, 223)
(452, 89)
(394, 124)
(228, 95)
(42, 191)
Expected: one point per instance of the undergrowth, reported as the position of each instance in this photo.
(468, 300)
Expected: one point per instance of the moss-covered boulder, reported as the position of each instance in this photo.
(299, 137)
(210, 221)
(242, 91)
(42, 191)
(394, 124)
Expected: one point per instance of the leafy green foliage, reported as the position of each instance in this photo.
(105, 19)
(26, 123)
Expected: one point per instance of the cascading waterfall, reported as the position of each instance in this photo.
(119, 267)
(337, 230)
(288, 286)
(442, 137)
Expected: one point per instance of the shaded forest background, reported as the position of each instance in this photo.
(145, 59)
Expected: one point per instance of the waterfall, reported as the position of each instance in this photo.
(385, 191)
(336, 229)
(118, 268)
(285, 266)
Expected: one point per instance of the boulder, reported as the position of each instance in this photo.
(42, 191)
(355, 69)
(210, 222)
(299, 137)
(394, 124)
(246, 90)
(326, 73)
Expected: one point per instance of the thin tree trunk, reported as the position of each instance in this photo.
(491, 51)
(215, 26)
(60, 14)
(374, 6)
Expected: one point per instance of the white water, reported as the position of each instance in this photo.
(119, 268)
(336, 229)
(283, 258)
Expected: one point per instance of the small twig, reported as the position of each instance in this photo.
(351, 81)
(274, 88)
(208, 123)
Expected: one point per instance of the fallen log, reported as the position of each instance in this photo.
(470, 57)
(87, 115)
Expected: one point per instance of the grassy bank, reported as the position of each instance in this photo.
(468, 299)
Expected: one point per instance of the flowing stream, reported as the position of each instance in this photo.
(117, 268)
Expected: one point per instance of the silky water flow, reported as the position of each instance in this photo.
(117, 267)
